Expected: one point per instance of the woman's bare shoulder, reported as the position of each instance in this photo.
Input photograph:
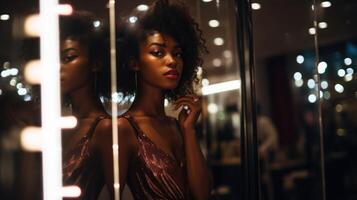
(103, 133)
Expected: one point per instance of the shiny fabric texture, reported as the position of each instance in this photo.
(80, 168)
(154, 174)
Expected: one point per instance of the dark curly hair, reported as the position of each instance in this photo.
(80, 27)
(170, 18)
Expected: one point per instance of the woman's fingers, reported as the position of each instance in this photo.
(180, 103)
(191, 100)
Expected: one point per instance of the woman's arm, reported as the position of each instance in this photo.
(102, 141)
(199, 177)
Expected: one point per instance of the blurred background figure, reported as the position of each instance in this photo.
(267, 148)
(267, 136)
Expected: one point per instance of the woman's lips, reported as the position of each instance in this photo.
(172, 74)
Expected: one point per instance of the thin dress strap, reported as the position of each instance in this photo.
(94, 125)
(133, 124)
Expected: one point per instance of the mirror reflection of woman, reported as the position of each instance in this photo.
(159, 156)
(83, 57)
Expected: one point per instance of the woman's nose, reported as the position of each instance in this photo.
(171, 60)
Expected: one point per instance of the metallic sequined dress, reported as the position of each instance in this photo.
(81, 169)
(154, 174)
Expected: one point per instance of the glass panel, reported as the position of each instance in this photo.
(85, 91)
(20, 157)
(84, 53)
(338, 50)
(219, 125)
(287, 110)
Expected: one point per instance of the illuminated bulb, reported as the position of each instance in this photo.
(349, 70)
(31, 138)
(117, 97)
(217, 62)
(5, 73)
(339, 108)
(68, 122)
(166, 103)
(322, 25)
(205, 82)
(4, 17)
(142, 7)
(311, 83)
(312, 98)
(299, 83)
(326, 4)
(32, 25)
(133, 19)
(27, 98)
(212, 108)
(13, 71)
(339, 88)
(33, 72)
(9, 72)
(13, 81)
(0, 92)
(218, 41)
(213, 23)
(321, 67)
(206, 1)
(6, 65)
(22, 91)
(71, 191)
(347, 61)
(300, 59)
(132, 99)
(324, 84)
(348, 77)
(327, 95)
(256, 6)
(341, 72)
(96, 23)
(312, 31)
(64, 9)
(227, 53)
(297, 75)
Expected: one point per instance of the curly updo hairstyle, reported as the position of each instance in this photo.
(167, 17)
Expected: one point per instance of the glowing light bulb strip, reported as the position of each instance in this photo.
(50, 95)
(114, 108)
(71, 191)
(221, 87)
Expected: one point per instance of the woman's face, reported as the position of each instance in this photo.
(160, 63)
(75, 67)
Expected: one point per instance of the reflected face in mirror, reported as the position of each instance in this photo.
(160, 61)
(75, 66)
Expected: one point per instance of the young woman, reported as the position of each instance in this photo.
(83, 57)
(159, 156)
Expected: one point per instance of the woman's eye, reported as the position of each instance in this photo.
(178, 54)
(157, 53)
(68, 58)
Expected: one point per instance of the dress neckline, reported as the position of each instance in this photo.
(170, 156)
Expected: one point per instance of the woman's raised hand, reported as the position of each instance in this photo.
(192, 106)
